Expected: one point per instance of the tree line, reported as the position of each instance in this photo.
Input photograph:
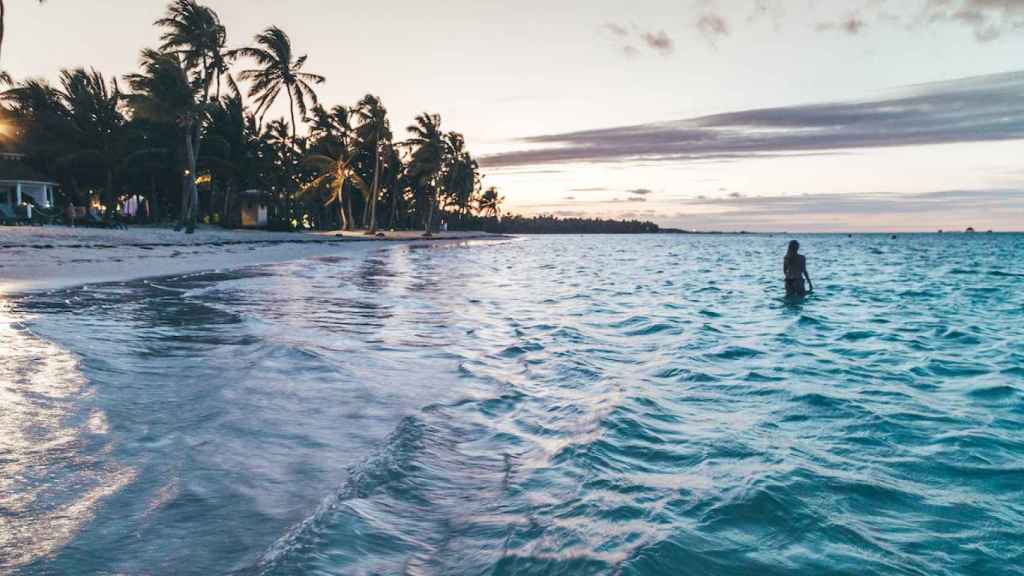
(185, 136)
(550, 224)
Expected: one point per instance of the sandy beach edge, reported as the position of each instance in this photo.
(34, 259)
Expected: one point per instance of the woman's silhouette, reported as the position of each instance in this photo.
(795, 268)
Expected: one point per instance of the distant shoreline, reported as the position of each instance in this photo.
(805, 233)
(47, 258)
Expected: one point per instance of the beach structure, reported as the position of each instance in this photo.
(252, 209)
(20, 184)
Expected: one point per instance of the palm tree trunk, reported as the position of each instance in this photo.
(373, 194)
(291, 106)
(227, 205)
(341, 213)
(430, 214)
(348, 211)
(185, 198)
(340, 199)
(191, 191)
(394, 209)
(365, 218)
(109, 192)
(3, 13)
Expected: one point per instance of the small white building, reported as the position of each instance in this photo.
(19, 182)
(252, 209)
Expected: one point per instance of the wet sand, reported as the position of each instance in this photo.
(49, 257)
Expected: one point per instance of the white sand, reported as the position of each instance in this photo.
(48, 257)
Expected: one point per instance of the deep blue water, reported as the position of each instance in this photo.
(556, 405)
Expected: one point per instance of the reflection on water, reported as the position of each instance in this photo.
(627, 405)
(50, 480)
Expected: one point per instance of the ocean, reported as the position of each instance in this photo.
(545, 405)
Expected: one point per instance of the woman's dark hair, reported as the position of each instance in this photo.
(793, 247)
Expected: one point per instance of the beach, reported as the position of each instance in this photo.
(50, 257)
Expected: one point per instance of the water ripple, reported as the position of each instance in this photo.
(554, 405)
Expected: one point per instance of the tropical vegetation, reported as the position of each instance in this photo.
(187, 139)
(189, 136)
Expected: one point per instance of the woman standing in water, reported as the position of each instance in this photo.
(795, 268)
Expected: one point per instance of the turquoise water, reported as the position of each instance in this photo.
(562, 405)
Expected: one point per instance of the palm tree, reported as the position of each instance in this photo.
(286, 155)
(461, 173)
(3, 13)
(332, 159)
(428, 156)
(81, 126)
(96, 118)
(280, 70)
(195, 33)
(394, 181)
(490, 202)
(163, 93)
(374, 131)
(232, 149)
(335, 122)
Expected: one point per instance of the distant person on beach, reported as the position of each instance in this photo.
(795, 268)
(70, 213)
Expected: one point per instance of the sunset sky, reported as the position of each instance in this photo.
(740, 114)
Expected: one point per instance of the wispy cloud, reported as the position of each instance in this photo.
(979, 109)
(617, 29)
(659, 42)
(640, 191)
(949, 210)
(632, 38)
(988, 19)
(712, 26)
(851, 25)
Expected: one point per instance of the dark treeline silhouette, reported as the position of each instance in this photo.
(545, 224)
(183, 140)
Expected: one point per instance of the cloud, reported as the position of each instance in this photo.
(590, 189)
(640, 191)
(978, 109)
(630, 37)
(712, 26)
(852, 25)
(616, 29)
(659, 41)
(569, 198)
(988, 19)
(636, 199)
(949, 210)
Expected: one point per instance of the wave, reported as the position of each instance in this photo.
(390, 464)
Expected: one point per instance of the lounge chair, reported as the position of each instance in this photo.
(9, 217)
(43, 216)
(92, 218)
(29, 216)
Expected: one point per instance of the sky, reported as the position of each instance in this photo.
(760, 115)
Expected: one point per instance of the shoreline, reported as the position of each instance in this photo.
(36, 259)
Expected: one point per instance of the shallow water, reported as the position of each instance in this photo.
(562, 405)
